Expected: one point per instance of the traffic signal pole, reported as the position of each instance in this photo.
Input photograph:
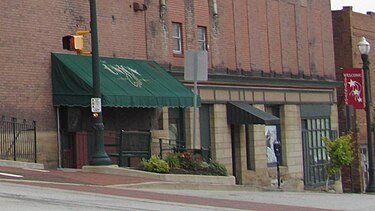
(99, 157)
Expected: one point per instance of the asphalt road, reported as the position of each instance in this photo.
(30, 189)
(33, 198)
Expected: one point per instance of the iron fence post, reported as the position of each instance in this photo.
(120, 148)
(34, 128)
(14, 120)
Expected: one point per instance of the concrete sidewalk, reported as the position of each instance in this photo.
(214, 195)
(315, 200)
(120, 177)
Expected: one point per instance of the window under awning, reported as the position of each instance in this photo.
(243, 113)
(124, 83)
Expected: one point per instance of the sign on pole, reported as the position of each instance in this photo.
(196, 65)
(196, 62)
(96, 105)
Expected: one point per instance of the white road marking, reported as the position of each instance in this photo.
(39, 170)
(10, 175)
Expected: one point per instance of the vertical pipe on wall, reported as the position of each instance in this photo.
(58, 137)
(215, 12)
(145, 22)
(195, 101)
(14, 126)
(35, 152)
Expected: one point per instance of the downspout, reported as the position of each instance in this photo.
(58, 136)
(145, 22)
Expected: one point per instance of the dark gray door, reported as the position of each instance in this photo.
(315, 156)
(176, 128)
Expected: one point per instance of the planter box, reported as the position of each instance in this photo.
(181, 178)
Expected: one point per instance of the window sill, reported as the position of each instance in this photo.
(178, 55)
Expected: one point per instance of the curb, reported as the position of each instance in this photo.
(189, 186)
(19, 164)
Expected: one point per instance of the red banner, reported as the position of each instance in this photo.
(353, 87)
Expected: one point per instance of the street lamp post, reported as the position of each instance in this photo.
(99, 157)
(364, 49)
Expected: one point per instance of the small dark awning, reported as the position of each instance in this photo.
(243, 113)
(124, 83)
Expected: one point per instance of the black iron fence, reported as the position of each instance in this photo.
(169, 146)
(17, 140)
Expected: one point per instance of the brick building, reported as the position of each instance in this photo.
(271, 74)
(348, 28)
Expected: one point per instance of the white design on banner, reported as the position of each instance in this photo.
(355, 90)
(127, 73)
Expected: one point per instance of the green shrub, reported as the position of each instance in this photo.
(191, 161)
(173, 160)
(340, 152)
(183, 163)
(217, 169)
(154, 164)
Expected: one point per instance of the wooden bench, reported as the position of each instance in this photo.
(133, 144)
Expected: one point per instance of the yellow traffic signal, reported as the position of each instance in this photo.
(73, 42)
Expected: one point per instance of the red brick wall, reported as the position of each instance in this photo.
(259, 48)
(327, 39)
(254, 35)
(343, 56)
(344, 59)
(176, 13)
(29, 33)
(265, 36)
(363, 25)
(222, 40)
(158, 36)
(274, 34)
(290, 37)
(241, 34)
(348, 28)
(121, 29)
(202, 18)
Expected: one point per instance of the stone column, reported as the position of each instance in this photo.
(292, 151)
(221, 137)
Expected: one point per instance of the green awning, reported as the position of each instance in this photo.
(124, 83)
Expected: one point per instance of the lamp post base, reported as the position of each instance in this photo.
(100, 160)
(100, 157)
